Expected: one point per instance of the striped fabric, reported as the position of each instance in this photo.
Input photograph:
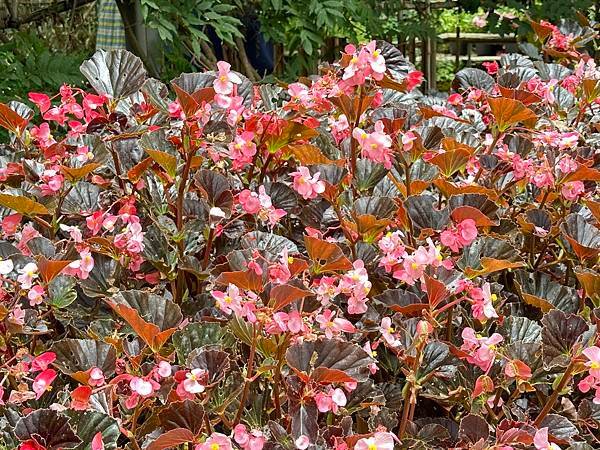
(110, 34)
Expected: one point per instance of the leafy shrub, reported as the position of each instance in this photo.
(28, 64)
(344, 263)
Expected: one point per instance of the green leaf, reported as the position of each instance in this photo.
(61, 291)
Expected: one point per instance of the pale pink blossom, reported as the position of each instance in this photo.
(481, 350)
(375, 146)
(225, 79)
(307, 186)
(483, 306)
(540, 440)
(36, 295)
(387, 331)
(572, 190)
(331, 400)
(27, 274)
(333, 325)
(230, 301)
(192, 381)
(379, 441)
(216, 441)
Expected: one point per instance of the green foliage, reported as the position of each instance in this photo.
(188, 19)
(303, 27)
(28, 64)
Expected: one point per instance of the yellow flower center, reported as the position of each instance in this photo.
(494, 297)
(372, 446)
(595, 365)
(376, 53)
(214, 447)
(290, 260)
(414, 265)
(228, 299)
(354, 60)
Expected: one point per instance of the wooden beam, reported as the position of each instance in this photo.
(41, 14)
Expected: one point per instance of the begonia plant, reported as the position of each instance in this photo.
(342, 262)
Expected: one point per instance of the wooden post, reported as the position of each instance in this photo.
(457, 44)
(433, 63)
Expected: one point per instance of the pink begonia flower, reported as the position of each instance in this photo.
(141, 387)
(540, 440)
(36, 295)
(6, 266)
(279, 273)
(462, 235)
(164, 369)
(225, 80)
(330, 401)
(27, 274)
(52, 182)
(43, 382)
(326, 289)
(229, 302)
(356, 285)
(376, 145)
(491, 67)
(302, 442)
(192, 383)
(407, 140)
(414, 265)
(131, 239)
(242, 150)
(56, 114)
(572, 190)
(333, 325)
(175, 110)
(366, 62)
(253, 440)
(74, 232)
(216, 441)
(298, 91)
(414, 79)
(42, 101)
(97, 443)
(249, 201)
(42, 361)
(10, 224)
(481, 350)
(307, 186)
(260, 203)
(455, 99)
(567, 165)
(593, 356)
(387, 331)
(96, 377)
(42, 135)
(483, 306)
(339, 127)
(379, 441)
(81, 267)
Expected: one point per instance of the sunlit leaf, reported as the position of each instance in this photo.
(23, 205)
(509, 112)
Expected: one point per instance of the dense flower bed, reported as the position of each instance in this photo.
(338, 263)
